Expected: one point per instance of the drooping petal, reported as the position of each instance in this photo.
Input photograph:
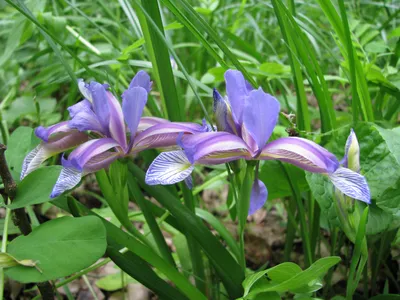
(260, 116)
(141, 79)
(237, 91)
(83, 105)
(351, 184)
(147, 122)
(223, 114)
(133, 103)
(46, 133)
(214, 147)
(85, 152)
(100, 104)
(46, 150)
(68, 178)
(163, 135)
(351, 158)
(258, 197)
(117, 124)
(302, 153)
(169, 168)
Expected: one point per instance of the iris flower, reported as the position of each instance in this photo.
(245, 120)
(104, 131)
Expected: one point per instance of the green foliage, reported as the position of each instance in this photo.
(379, 160)
(288, 277)
(58, 248)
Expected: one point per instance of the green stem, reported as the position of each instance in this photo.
(4, 248)
(243, 208)
(194, 249)
(302, 215)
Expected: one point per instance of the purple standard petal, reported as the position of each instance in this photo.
(46, 150)
(169, 168)
(100, 104)
(86, 120)
(214, 147)
(258, 197)
(51, 132)
(351, 184)
(260, 116)
(163, 135)
(141, 79)
(237, 91)
(117, 123)
(133, 102)
(223, 114)
(83, 105)
(302, 153)
(85, 152)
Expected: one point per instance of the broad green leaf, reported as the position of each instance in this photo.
(59, 248)
(290, 278)
(380, 164)
(21, 142)
(36, 187)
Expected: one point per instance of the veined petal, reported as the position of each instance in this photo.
(85, 152)
(83, 105)
(147, 122)
(45, 133)
(117, 124)
(260, 116)
(133, 102)
(169, 168)
(68, 178)
(302, 153)
(214, 147)
(223, 114)
(258, 197)
(141, 79)
(100, 104)
(351, 184)
(237, 91)
(351, 158)
(46, 150)
(163, 135)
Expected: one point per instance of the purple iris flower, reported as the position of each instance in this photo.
(104, 131)
(246, 119)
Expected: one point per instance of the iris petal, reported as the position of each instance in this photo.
(258, 197)
(259, 117)
(169, 168)
(117, 124)
(100, 104)
(237, 91)
(68, 178)
(141, 79)
(351, 184)
(133, 102)
(302, 153)
(47, 133)
(223, 114)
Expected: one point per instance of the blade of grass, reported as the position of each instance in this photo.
(159, 56)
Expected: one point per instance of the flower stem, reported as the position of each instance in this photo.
(243, 208)
(4, 248)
